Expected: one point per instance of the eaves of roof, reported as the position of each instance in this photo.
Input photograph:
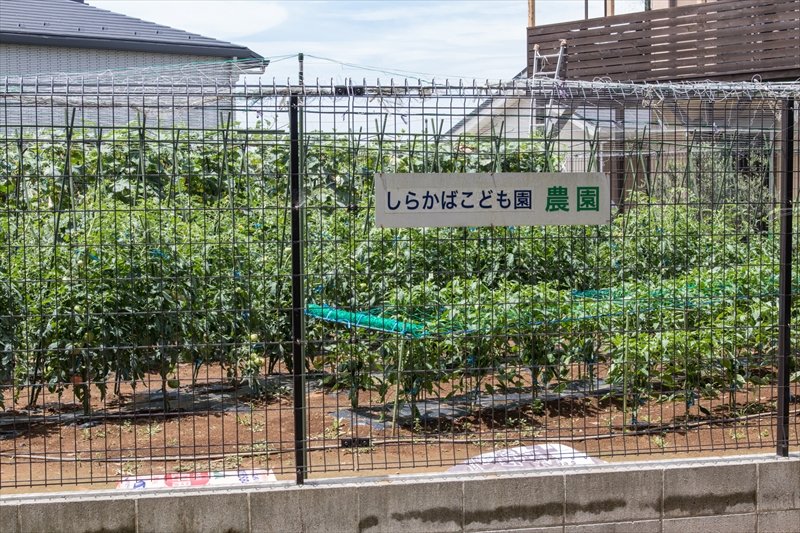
(232, 51)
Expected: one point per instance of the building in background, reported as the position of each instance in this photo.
(650, 41)
(673, 40)
(47, 36)
(541, 12)
(61, 42)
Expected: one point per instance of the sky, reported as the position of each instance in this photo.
(427, 39)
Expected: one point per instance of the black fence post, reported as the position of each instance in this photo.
(298, 303)
(785, 293)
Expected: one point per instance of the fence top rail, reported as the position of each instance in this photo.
(98, 84)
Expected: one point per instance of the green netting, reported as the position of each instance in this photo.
(688, 297)
(585, 305)
(367, 320)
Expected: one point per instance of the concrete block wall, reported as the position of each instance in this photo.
(756, 493)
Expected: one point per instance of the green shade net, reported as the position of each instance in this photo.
(367, 320)
(584, 305)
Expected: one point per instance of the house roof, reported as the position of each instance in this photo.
(71, 23)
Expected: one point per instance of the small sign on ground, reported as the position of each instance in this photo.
(197, 479)
(526, 458)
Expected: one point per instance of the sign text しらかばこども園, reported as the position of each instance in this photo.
(491, 199)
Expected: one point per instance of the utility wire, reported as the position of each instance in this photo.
(396, 72)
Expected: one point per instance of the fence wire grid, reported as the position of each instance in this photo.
(191, 279)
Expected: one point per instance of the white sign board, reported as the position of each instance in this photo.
(431, 200)
(526, 458)
(197, 479)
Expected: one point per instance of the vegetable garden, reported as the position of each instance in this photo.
(146, 291)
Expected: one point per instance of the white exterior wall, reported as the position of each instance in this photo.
(19, 60)
(171, 109)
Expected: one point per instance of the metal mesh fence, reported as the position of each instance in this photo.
(192, 279)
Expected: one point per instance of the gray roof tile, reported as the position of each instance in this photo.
(71, 23)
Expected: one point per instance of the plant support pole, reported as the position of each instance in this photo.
(298, 303)
(785, 292)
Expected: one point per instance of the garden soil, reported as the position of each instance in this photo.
(212, 426)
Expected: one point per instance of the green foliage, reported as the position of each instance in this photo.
(127, 253)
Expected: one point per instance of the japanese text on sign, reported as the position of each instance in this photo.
(500, 199)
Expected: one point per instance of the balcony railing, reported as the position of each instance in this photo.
(724, 40)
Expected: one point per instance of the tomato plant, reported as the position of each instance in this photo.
(129, 252)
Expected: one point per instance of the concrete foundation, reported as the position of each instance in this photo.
(755, 493)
